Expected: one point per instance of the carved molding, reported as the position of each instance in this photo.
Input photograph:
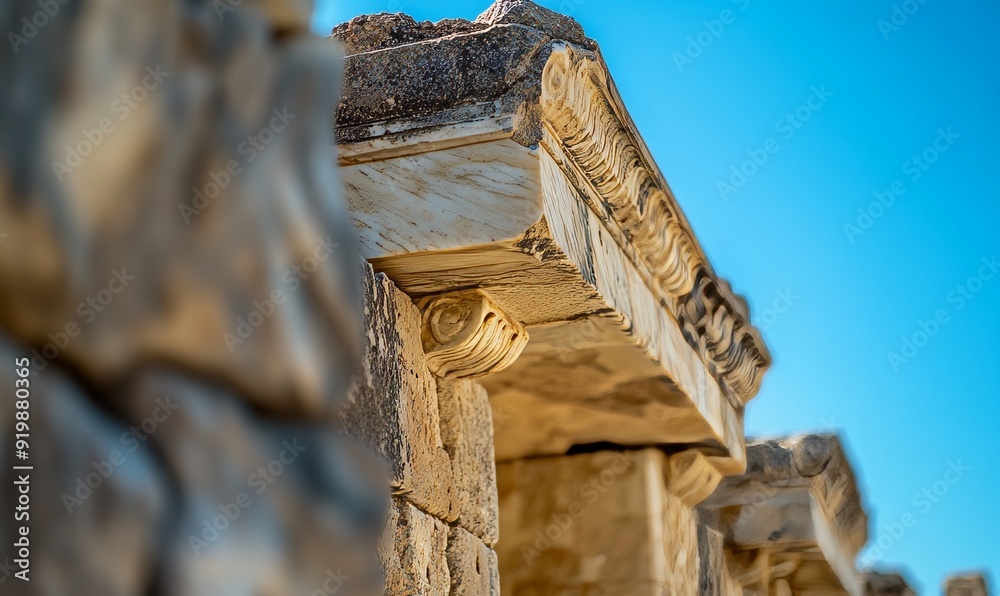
(691, 476)
(466, 335)
(597, 150)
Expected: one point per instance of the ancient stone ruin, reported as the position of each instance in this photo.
(497, 182)
(515, 372)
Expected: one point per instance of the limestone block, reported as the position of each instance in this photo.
(467, 432)
(413, 552)
(472, 565)
(600, 523)
(393, 406)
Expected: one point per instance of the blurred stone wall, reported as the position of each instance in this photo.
(180, 305)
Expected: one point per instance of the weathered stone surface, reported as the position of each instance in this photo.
(501, 158)
(414, 552)
(373, 32)
(172, 227)
(202, 236)
(467, 432)
(596, 523)
(393, 407)
(270, 504)
(472, 565)
(90, 534)
(966, 584)
(878, 583)
(529, 14)
(177, 486)
(450, 71)
(795, 515)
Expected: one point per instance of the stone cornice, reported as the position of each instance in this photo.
(496, 155)
(589, 135)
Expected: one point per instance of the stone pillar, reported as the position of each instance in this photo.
(595, 521)
(436, 435)
(614, 522)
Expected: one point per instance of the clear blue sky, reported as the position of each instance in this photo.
(848, 296)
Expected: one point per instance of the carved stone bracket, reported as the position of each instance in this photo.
(466, 335)
(692, 477)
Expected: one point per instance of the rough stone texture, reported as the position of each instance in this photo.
(393, 407)
(189, 450)
(203, 273)
(529, 14)
(226, 282)
(106, 543)
(303, 508)
(467, 432)
(414, 552)
(878, 583)
(596, 523)
(966, 584)
(472, 565)
(373, 32)
(443, 81)
(498, 61)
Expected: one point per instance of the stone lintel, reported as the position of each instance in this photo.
(794, 515)
(497, 155)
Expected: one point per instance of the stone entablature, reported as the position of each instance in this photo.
(794, 519)
(496, 155)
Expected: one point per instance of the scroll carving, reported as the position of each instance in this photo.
(692, 477)
(610, 167)
(466, 335)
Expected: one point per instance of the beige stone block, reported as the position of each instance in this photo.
(467, 433)
(413, 553)
(594, 523)
(393, 406)
(472, 565)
